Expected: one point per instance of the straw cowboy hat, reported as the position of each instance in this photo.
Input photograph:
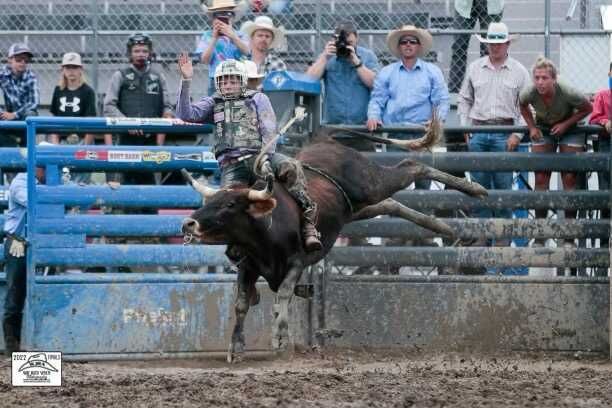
(424, 37)
(239, 8)
(497, 33)
(264, 23)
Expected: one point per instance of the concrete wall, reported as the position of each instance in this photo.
(467, 314)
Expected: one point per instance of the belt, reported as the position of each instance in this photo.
(493, 122)
(235, 160)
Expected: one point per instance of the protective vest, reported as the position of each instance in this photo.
(236, 123)
(141, 94)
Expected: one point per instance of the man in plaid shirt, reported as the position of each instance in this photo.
(264, 37)
(21, 93)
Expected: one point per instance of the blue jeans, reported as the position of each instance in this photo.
(491, 142)
(604, 176)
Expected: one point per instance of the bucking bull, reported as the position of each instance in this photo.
(261, 227)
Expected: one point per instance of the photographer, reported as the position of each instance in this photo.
(348, 73)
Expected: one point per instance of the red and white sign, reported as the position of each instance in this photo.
(91, 155)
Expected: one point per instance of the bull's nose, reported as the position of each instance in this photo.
(189, 225)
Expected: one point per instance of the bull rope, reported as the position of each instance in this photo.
(334, 182)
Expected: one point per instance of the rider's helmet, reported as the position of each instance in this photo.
(230, 68)
(139, 38)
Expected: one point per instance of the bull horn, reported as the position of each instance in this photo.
(205, 191)
(432, 136)
(265, 194)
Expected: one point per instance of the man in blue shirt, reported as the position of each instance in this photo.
(407, 91)
(348, 75)
(21, 93)
(15, 258)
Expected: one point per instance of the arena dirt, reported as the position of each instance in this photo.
(330, 379)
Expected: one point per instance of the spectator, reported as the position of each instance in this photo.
(221, 42)
(407, 91)
(467, 13)
(558, 108)
(254, 77)
(348, 79)
(15, 258)
(138, 91)
(264, 37)
(480, 102)
(602, 115)
(348, 75)
(240, 136)
(21, 93)
(72, 97)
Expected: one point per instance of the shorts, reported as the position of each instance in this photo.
(575, 139)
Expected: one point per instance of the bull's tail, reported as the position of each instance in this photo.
(432, 137)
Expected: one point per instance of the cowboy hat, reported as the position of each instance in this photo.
(394, 37)
(218, 5)
(497, 33)
(264, 23)
(251, 69)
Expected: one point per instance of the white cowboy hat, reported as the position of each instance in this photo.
(424, 37)
(251, 69)
(497, 33)
(264, 23)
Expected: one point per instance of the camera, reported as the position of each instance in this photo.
(341, 43)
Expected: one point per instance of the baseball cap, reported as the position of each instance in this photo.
(72, 58)
(19, 48)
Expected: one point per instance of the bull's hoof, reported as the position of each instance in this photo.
(234, 358)
(235, 354)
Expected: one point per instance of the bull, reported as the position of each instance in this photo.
(261, 227)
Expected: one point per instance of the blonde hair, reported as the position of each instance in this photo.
(63, 83)
(545, 63)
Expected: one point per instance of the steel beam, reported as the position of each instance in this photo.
(132, 255)
(468, 256)
(490, 161)
(499, 199)
(468, 228)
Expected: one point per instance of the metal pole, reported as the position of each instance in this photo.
(547, 10)
(317, 29)
(94, 46)
(28, 329)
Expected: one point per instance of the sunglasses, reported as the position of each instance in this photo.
(410, 41)
(223, 14)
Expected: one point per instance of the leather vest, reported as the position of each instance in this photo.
(141, 94)
(236, 124)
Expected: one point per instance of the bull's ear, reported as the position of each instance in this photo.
(258, 209)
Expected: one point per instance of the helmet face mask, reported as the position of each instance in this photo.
(230, 79)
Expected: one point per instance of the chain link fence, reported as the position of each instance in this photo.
(98, 29)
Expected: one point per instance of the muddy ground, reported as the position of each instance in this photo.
(330, 379)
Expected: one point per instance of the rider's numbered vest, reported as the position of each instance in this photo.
(236, 124)
(141, 94)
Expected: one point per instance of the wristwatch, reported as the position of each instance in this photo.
(358, 65)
